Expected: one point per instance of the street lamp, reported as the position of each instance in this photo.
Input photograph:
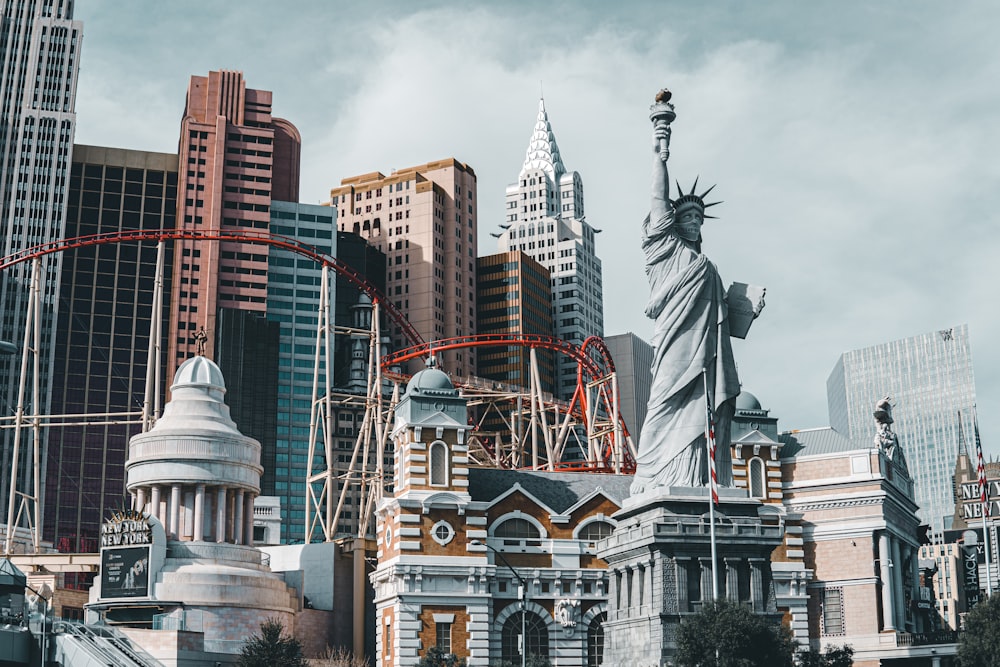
(522, 594)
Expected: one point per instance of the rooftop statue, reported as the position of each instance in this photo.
(693, 352)
(885, 438)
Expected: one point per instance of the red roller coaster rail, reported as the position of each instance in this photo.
(594, 368)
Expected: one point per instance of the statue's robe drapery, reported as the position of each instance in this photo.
(691, 335)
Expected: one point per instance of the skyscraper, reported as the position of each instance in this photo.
(424, 219)
(633, 365)
(513, 297)
(293, 299)
(234, 159)
(545, 219)
(40, 61)
(933, 390)
(105, 311)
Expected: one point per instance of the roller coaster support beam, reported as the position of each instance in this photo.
(151, 401)
(21, 500)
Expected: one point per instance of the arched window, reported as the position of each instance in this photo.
(595, 530)
(595, 640)
(758, 479)
(536, 639)
(520, 529)
(439, 464)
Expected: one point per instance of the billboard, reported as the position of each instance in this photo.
(126, 543)
(125, 572)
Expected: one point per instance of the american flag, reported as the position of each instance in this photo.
(981, 470)
(710, 435)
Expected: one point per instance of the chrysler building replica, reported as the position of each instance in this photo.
(545, 219)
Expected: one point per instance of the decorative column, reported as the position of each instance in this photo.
(238, 517)
(154, 503)
(733, 579)
(757, 584)
(140, 499)
(248, 519)
(220, 515)
(199, 513)
(706, 580)
(885, 573)
(175, 511)
(897, 583)
(647, 581)
(636, 581)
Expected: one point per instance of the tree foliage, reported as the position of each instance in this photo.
(834, 656)
(272, 647)
(339, 657)
(725, 634)
(980, 643)
(435, 657)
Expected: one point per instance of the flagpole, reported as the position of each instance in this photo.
(984, 500)
(709, 439)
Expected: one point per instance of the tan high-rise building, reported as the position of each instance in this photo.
(234, 159)
(424, 219)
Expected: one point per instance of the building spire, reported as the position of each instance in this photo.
(543, 153)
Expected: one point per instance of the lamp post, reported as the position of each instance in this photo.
(522, 594)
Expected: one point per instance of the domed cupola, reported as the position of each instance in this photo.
(194, 457)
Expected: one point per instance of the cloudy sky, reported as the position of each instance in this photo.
(855, 144)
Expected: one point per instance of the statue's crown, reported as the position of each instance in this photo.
(691, 199)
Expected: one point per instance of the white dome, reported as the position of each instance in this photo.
(199, 372)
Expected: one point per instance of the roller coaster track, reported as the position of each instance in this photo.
(243, 236)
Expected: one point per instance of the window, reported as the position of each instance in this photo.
(596, 530)
(535, 641)
(832, 612)
(517, 529)
(443, 637)
(439, 464)
(758, 483)
(595, 640)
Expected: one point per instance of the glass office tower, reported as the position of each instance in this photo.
(40, 60)
(931, 384)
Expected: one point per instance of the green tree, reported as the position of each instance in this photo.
(725, 634)
(980, 643)
(435, 657)
(834, 656)
(272, 647)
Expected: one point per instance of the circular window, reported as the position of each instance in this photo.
(388, 535)
(442, 532)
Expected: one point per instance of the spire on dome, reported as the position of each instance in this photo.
(543, 153)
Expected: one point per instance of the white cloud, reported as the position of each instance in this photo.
(855, 150)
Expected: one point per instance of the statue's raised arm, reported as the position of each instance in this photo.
(662, 114)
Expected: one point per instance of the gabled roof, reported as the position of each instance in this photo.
(815, 441)
(559, 491)
(755, 437)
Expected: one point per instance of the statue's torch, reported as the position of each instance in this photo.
(662, 114)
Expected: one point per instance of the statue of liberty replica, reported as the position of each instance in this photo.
(685, 537)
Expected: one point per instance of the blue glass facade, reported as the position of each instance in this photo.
(293, 294)
(933, 390)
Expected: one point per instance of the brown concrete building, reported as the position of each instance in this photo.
(469, 556)
(513, 297)
(860, 541)
(424, 219)
(234, 159)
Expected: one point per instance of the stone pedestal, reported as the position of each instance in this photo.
(660, 568)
